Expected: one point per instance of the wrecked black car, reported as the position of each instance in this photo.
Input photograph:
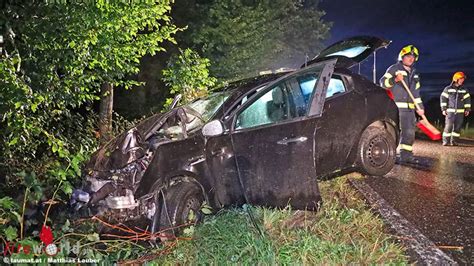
(264, 141)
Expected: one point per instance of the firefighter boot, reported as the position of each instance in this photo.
(446, 139)
(454, 140)
(406, 157)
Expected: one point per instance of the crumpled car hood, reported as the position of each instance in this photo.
(125, 148)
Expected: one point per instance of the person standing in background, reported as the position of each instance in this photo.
(455, 104)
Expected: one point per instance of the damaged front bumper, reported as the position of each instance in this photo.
(110, 194)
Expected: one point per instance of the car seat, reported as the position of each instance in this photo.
(276, 108)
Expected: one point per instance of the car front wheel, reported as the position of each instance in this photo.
(181, 208)
(377, 151)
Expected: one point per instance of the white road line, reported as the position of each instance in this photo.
(419, 246)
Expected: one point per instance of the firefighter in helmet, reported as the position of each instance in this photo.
(455, 104)
(404, 70)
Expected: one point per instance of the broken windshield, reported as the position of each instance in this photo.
(204, 109)
(207, 107)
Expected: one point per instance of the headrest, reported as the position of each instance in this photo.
(277, 95)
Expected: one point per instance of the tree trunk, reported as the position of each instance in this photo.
(105, 113)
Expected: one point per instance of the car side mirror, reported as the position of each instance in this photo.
(213, 129)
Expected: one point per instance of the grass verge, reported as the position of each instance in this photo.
(343, 231)
(467, 132)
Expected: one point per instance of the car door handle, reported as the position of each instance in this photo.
(287, 141)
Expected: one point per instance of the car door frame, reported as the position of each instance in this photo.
(333, 152)
(313, 111)
(329, 66)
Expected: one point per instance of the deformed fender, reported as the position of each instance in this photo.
(172, 159)
(172, 180)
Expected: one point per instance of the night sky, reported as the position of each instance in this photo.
(442, 30)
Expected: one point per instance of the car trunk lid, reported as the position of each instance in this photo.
(351, 51)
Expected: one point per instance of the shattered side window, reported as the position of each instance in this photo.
(270, 107)
(245, 99)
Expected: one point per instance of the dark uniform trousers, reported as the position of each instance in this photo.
(454, 101)
(452, 127)
(406, 106)
(407, 128)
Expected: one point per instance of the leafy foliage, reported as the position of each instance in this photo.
(59, 56)
(187, 74)
(243, 37)
(56, 57)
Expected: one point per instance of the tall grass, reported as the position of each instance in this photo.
(343, 231)
(467, 132)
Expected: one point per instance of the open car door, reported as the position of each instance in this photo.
(273, 140)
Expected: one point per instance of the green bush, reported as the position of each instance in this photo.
(187, 74)
(56, 57)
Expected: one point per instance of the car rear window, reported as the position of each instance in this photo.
(350, 52)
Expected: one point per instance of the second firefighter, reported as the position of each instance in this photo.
(455, 104)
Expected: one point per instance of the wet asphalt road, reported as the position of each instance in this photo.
(436, 196)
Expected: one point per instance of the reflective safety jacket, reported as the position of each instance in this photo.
(400, 95)
(455, 99)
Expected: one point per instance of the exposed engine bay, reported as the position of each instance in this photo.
(114, 172)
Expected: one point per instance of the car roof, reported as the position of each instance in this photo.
(241, 87)
(244, 85)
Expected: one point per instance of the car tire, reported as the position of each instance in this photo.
(182, 205)
(377, 151)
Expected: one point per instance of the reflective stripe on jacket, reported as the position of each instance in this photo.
(400, 95)
(455, 99)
